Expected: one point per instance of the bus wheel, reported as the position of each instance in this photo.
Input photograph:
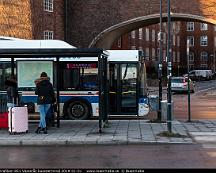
(78, 110)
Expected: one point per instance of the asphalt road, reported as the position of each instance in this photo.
(109, 156)
(202, 102)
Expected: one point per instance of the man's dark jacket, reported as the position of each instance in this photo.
(45, 92)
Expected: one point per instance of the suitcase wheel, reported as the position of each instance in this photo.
(26, 131)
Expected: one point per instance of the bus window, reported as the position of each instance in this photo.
(5, 72)
(80, 76)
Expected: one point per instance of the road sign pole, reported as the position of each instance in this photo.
(160, 67)
(169, 73)
(188, 67)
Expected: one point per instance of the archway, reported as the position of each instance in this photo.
(106, 38)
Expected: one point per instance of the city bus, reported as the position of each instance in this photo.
(78, 82)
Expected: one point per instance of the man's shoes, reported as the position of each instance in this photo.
(44, 130)
(38, 130)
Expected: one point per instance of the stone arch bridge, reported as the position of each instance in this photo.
(98, 23)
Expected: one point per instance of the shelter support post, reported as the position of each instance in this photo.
(103, 91)
(57, 92)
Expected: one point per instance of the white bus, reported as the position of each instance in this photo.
(78, 82)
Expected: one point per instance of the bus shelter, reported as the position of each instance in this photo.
(58, 53)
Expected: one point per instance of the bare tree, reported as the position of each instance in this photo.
(15, 18)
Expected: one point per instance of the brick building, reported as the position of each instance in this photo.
(32, 19)
(48, 19)
(202, 45)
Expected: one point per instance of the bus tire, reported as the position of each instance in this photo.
(78, 110)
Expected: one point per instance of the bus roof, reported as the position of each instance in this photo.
(33, 44)
(9, 38)
(123, 55)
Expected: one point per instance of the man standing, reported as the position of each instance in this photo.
(45, 92)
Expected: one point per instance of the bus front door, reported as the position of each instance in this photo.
(123, 88)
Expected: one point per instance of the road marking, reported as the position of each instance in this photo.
(204, 90)
(209, 146)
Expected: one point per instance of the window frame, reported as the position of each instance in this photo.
(204, 40)
(203, 26)
(204, 56)
(48, 35)
(191, 40)
(190, 26)
(48, 5)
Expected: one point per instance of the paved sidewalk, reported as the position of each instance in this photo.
(119, 132)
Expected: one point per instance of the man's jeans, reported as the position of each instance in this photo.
(43, 109)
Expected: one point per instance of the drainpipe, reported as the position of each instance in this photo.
(65, 19)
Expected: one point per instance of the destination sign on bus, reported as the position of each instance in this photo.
(81, 65)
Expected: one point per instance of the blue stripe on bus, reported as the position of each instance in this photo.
(33, 99)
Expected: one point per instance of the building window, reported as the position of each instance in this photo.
(48, 35)
(120, 42)
(140, 33)
(204, 66)
(190, 26)
(191, 66)
(178, 56)
(191, 57)
(164, 38)
(178, 41)
(174, 40)
(133, 34)
(147, 53)
(204, 57)
(203, 26)
(48, 5)
(191, 40)
(215, 41)
(164, 56)
(204, 40)
(133, 47)
(147, 34)
(153, 54)
(153, 35)
(158, 53)
(174, 56)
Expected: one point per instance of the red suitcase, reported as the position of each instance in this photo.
(4, 120)
(3, 110)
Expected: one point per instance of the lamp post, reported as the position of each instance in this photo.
(169, 73)
(160, 63)
(188, 67)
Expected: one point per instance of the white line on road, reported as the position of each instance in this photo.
(204, 90)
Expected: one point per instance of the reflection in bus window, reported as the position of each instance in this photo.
(80, 76)
(5, 72)
(129, 75)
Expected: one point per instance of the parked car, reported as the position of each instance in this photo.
(180, 84)
(200, 74)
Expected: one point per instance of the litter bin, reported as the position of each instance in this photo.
(164, 110)
(154, 102)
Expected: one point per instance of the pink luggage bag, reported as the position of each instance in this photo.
(18, 120)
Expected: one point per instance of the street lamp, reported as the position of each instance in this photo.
(188, 82)
(169, 72)
(160, 63)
